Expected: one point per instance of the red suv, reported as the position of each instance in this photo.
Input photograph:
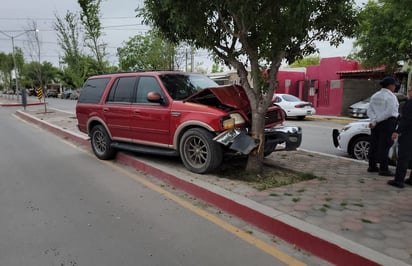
(174, 113)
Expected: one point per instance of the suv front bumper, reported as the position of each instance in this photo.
(290, 137)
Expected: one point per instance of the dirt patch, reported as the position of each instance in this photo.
(271, 176)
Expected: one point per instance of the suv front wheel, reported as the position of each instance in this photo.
(199, 152)
(101, 141)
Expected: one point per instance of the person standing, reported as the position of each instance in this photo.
(383, 113)
(404, 134)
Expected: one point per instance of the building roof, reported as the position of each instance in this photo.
(372, 72)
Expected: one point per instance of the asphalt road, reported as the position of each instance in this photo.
(317, 136)
(61, 206)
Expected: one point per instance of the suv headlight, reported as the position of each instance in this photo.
(232, 121)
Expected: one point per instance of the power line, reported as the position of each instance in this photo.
(46, 19)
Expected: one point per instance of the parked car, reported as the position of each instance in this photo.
(52, 93)
(358, 109)
(32, 92)
(292, 106)
(74, 95)
(66, 94)
(354, 137)
(175, 113)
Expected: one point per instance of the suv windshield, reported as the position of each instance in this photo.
(182, 86)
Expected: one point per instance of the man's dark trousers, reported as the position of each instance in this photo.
(380, 143)
(404, 156)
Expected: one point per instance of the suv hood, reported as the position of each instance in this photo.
(233, 96)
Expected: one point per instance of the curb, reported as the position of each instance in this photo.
(19, 104)
(331, 118)
(323, 244)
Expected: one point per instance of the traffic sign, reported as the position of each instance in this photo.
(39, 93)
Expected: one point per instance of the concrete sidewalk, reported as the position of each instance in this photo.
(348, 216)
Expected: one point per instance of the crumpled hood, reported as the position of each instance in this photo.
(233, 96)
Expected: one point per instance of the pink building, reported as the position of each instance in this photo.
(323, 85)
(332, 86)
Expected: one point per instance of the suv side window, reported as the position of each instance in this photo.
(122, 90)
(93, 90)
(146, 85)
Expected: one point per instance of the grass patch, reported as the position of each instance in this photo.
(296, 199)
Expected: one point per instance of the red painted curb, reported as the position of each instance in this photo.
(19, 104)
(304, 240)
(56, 130)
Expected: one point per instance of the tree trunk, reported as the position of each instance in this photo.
(255, 159)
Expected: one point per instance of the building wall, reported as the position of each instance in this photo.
(289, 80)
(356, 90)
(326, 87)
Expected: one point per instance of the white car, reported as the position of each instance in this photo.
(359, 109)
(292, 106)
(354, 138)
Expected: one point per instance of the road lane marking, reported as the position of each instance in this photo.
(285, 258)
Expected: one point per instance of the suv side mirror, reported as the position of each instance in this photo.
(155, 97)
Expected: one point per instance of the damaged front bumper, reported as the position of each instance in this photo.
(239, 140)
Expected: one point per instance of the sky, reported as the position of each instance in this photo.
(118, 20)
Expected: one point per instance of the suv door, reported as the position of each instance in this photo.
(149, 122)
(116, 109)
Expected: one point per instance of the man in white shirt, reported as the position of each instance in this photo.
(383, 112)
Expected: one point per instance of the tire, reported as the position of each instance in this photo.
(284, 114)
(359, 148)
(101, 141)
(199, 152)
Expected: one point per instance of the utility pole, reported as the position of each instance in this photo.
(16, 74)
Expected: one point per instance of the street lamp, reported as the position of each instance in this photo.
(12, 37)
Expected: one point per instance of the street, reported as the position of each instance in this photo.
(317, 136)
(61, 206)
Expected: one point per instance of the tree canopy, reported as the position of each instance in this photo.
(90, 17)
(254, 35)
(384, 35)
(306, 61)
(147, 52)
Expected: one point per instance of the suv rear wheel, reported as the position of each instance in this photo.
(199, 152)
(101, 141)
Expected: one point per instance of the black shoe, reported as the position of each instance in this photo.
(408, 181)
(396, 184)
(372, 169)
(386, 173)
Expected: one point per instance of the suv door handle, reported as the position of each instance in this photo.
(105, 109)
